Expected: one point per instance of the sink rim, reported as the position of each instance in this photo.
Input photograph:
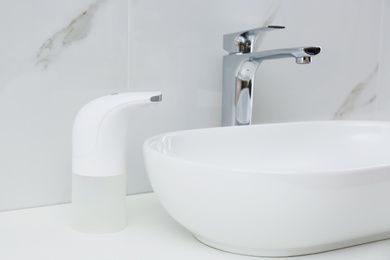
(148, 144)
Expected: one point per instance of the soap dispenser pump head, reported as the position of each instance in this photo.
(99, 133)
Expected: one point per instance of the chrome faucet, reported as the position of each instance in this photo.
(239, 69)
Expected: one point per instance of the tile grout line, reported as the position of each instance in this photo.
(380, 50)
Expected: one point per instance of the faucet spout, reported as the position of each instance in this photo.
(239, 70)
(297, 53)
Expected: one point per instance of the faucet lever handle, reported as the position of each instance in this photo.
(242, 42)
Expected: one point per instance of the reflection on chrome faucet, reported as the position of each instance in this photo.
(239, 69)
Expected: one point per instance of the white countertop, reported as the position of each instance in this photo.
(44, 233)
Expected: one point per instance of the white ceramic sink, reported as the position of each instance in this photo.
(276, 189)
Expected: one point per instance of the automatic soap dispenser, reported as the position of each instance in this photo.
(99, 163)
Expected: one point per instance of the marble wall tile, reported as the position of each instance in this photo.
(341, 82)
(55, 57)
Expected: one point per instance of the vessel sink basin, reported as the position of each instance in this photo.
(276, 189)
